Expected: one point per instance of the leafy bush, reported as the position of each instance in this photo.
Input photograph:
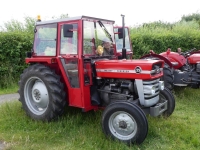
(13, 46)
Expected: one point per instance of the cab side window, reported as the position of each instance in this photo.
(68, 45)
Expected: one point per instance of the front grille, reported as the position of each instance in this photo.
(147, 85)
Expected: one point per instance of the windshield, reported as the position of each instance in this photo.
(98, 36)
(119, 42)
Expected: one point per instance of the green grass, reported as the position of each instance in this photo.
(11, 89)
(77, 130)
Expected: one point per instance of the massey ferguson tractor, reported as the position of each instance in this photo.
(180, 69)
(64, 69)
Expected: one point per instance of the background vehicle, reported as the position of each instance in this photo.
(65, 70)
(180, 69)
(119, 43)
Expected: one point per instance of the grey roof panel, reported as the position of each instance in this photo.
(71, 19)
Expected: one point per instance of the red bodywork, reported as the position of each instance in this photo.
(80, 97)
(194, 58)
(174, 58)
(125, 69)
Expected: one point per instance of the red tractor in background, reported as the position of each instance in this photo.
(180, 69)
(65, 70)
(119, 42)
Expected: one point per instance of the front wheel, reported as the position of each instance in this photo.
(125, 121)
(166, 94)
(41, 93)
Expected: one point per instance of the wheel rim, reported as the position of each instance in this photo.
(122, 125)
(36, 95)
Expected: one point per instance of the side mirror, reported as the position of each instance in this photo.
(120, 31)
(68, 30)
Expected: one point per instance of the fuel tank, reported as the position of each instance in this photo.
(194, 58)
(130, 69)
(176, 59)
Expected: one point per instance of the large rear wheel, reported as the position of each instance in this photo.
(125, 121)
(41, 93)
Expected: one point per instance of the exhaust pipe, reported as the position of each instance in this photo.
(123, 49)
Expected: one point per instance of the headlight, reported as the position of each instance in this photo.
(161, 85)
(153, 90)
(150, 89)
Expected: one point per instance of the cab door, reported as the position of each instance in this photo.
(69, 62)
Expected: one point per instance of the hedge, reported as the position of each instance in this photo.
(185, 35)
(13, 46)
(159, 43)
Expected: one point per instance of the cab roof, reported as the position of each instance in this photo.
(73, 19)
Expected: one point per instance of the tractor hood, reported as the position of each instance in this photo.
(176, 59)
(130, 69)
(194, 58)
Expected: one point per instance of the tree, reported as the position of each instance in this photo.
(15, 25)
(61, 16)
(191, 17)
(27, 26)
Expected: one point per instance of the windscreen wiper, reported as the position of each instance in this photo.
(104, 28)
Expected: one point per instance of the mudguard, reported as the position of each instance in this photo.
(152, 56)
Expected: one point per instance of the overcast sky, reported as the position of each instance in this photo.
(135, 11)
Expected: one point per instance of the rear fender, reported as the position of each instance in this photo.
(151, 56)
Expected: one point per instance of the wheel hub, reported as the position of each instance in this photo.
(36, 94)
(122, 124)
(40, 94)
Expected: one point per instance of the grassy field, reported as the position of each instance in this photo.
(77, 130)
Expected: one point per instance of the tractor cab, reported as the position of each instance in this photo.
(73, 44)
(78, 36)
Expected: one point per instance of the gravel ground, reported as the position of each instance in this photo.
(9, 97)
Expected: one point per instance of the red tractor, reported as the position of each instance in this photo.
(180, 69)
(64, 69)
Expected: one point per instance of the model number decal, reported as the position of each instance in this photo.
(124, 71)
(110, 70)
